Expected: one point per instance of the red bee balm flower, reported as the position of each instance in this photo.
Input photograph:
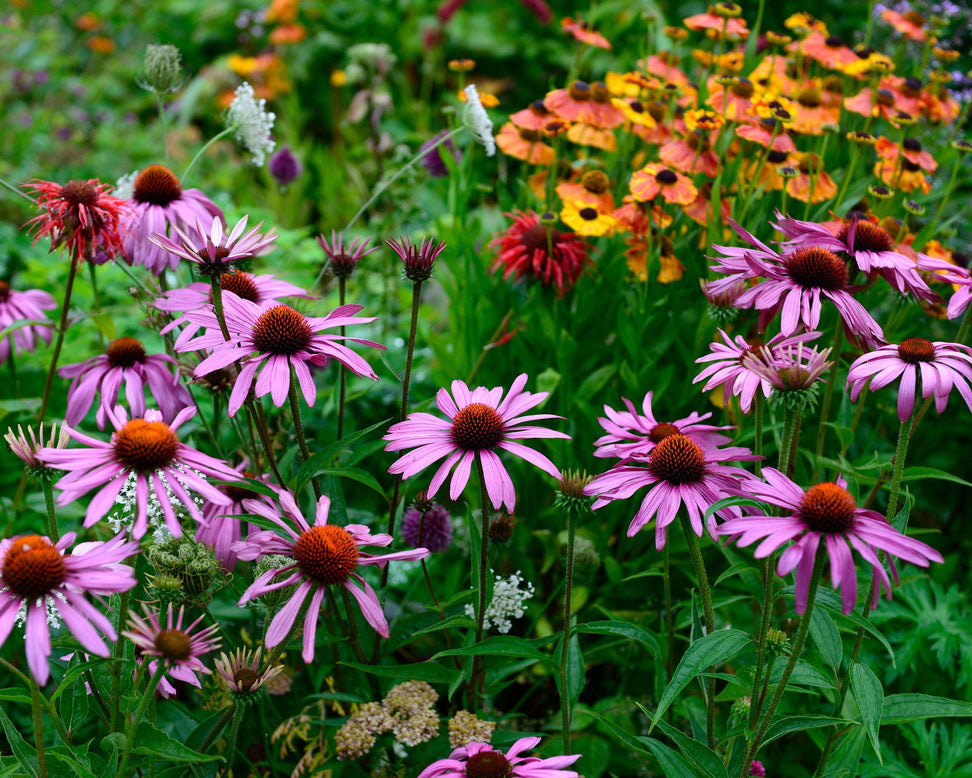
(80, 215)
(525, 249)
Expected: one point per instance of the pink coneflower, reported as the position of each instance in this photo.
(942, 367)
(344, 259)
(28, 305)
(80, 215)
(278, 339)
(324, 555)
(212, 249)
(40, 583)
(481, 760)
(143, 454)
(871, 246)
(826, 512)
(199, 296)
(631, 435)
(478, 424)
(793, 285)
(221, 525)
(679, 471)
(530, 246)
(730, 370)
(159, 202)
(790, 368)
(177, 646)
(124, 363)
(241, 673)
(417, 261)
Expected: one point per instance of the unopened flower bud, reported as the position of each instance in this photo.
(163, 69)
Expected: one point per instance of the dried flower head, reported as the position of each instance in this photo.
(466, 727)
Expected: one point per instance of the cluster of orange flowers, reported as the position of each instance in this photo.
(680, 137)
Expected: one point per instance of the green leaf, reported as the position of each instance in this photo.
(324, 457)
(784, 726)
(704, 760)
(548, 380)
(15, 695)
(575, 671)
(25, 753)
(702, 654)
(726, 502)
(354, 473)
(869, 695)
(901, 708)
(824, 632)
(105, 323)
(622, 629)
(594, 383)
(452, 622)
(420, 671)
(672, 764)
(921, 473)
(150, 741)
(499, 645)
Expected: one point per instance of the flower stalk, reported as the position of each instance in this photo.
(59, 342)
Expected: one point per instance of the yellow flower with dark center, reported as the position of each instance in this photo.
(585, 220)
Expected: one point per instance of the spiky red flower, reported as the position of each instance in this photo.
(533, 248)
(80, 215)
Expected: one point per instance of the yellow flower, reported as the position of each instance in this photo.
(338, 78)
(488, 100)
(584, 220)
(703, 120)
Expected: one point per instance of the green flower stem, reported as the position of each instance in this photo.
(17, 191)
(669, 616)
(217, 295)
(698, 564)
(165, 147)
(355, 638)
(897, 471)
(759, 412)
(61, 329)
(36, 706)
(789, 442)
(234, 735)
(797, 648)
(568, 587)
(93, 278)
(342, 370)
(828, 398)
(299, 429)
(52, 531)
(147, 697)
(948, 193)
(768, 572)
(483, 572)
(216, 730)
(210, 142)
(861, 402)
(118, 651)
(855, 153)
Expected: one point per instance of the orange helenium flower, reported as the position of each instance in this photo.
(524, 144)
(655, 179)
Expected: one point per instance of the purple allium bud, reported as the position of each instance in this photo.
(433, 160)
(436, 529)
(284, 166)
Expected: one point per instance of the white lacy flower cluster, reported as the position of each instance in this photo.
(507, 603)
(124, 517)
(125, 185)
(252, 122)
(477, 121)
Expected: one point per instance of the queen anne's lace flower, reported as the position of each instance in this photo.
(477, 121)
(252, 123)
(508, 602)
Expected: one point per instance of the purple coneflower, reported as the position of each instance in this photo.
(241, 672)
(124, 363)
(730, 369)
(631, 435)
(344, 259)
(942, 366)
(870, 245)
(212, 249)
(826, 512)
(40, 583)
(27, 305)
(793, 285)
(143, 454)
(478, 424)
(417, 261)
(198, 296)
(679, 472)
(179, 648)
(158, 203)
(788, 368)
(324, 555)
(481, 760)
(278, 339)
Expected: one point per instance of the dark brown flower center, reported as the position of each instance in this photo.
(666, 177)
(915, 17)
(281, 330)
(827, 508)
(145, 446)
(531, 136)
(834, 42)
(600, 92)
(535, 238)
(915, 350)
(79, 193)
(4, 291)
(595, 182)
(240, 284)
(813, 267)
(32, 568)
(477, 427)
(911, 167)
(678, 460)
(776, 157)
(326, 554)
(156, 185)
(579, 91)
(661, 431)
(173, 644)
(125, 352)
(742, 87)
(912, 144)
(867, 237)
(637, 106)
(219, 254)
(588, 214)
(487, 764)
(245, 678)
(884, 97)
(657, 110)
(810, 97)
